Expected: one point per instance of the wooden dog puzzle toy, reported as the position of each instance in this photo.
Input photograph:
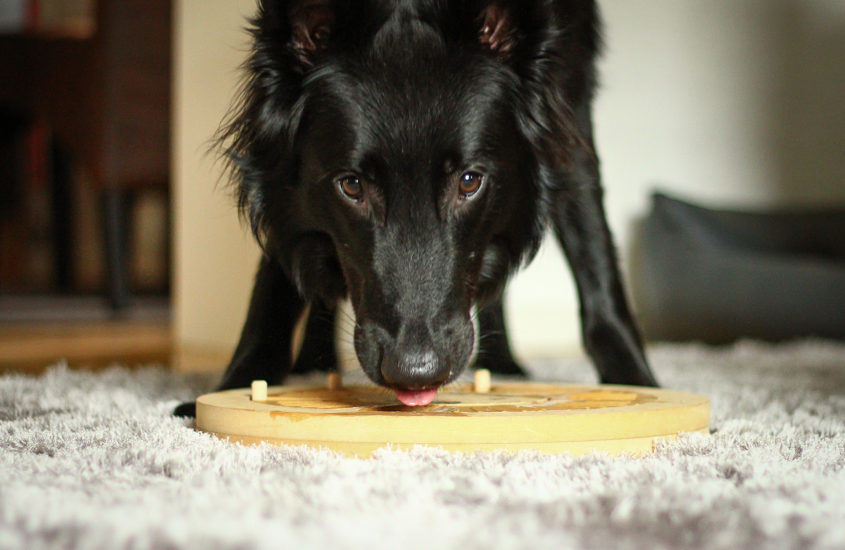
(358, 419)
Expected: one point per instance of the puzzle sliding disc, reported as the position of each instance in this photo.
(356, 420)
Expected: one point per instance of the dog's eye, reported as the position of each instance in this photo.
(352, 188)
(321, 36)
(469, 184)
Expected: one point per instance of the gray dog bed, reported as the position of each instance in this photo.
(715, 275)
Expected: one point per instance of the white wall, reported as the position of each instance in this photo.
(727, 102)
(214, 258)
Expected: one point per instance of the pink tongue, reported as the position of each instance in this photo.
(416, 398)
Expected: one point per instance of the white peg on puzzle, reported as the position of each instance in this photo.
(334, 381)
(259, 390)
(482, 381)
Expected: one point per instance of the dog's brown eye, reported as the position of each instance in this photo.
(470, 183)
(320, 37)
(352, 188)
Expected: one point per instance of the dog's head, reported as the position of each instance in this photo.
(398, 152)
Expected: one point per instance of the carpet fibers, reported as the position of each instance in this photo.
(93, 460)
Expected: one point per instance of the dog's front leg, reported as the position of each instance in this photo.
(494, 352)
(609, 332)
(318, 352)
(264, 349)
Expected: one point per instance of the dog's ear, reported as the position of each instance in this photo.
(302, 27)
(550, 47)
(496, 31)
(311, 26)
(257, 137)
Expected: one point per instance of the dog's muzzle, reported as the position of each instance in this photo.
(419, 359)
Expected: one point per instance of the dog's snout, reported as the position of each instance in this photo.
(417, 358)
(418, 355)
(414, 370)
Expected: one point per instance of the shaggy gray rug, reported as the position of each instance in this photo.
(93, 460)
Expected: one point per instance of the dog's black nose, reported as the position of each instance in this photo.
(414, 370)
(416, 357)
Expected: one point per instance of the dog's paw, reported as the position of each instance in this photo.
(186, 410)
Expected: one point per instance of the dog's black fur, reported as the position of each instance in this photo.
(409, 154)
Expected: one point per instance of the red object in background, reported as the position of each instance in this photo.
(37, 164)
(33, 14)
(55, 18)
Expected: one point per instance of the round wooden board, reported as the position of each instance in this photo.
(356, 420)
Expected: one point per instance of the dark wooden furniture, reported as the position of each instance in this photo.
(106, 100)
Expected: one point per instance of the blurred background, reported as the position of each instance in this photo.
(120, 243)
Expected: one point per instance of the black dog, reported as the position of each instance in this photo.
(409, 154)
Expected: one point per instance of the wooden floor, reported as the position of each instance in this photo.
(32, 347)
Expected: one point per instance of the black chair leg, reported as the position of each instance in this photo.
(62, 207)
(116, 235)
